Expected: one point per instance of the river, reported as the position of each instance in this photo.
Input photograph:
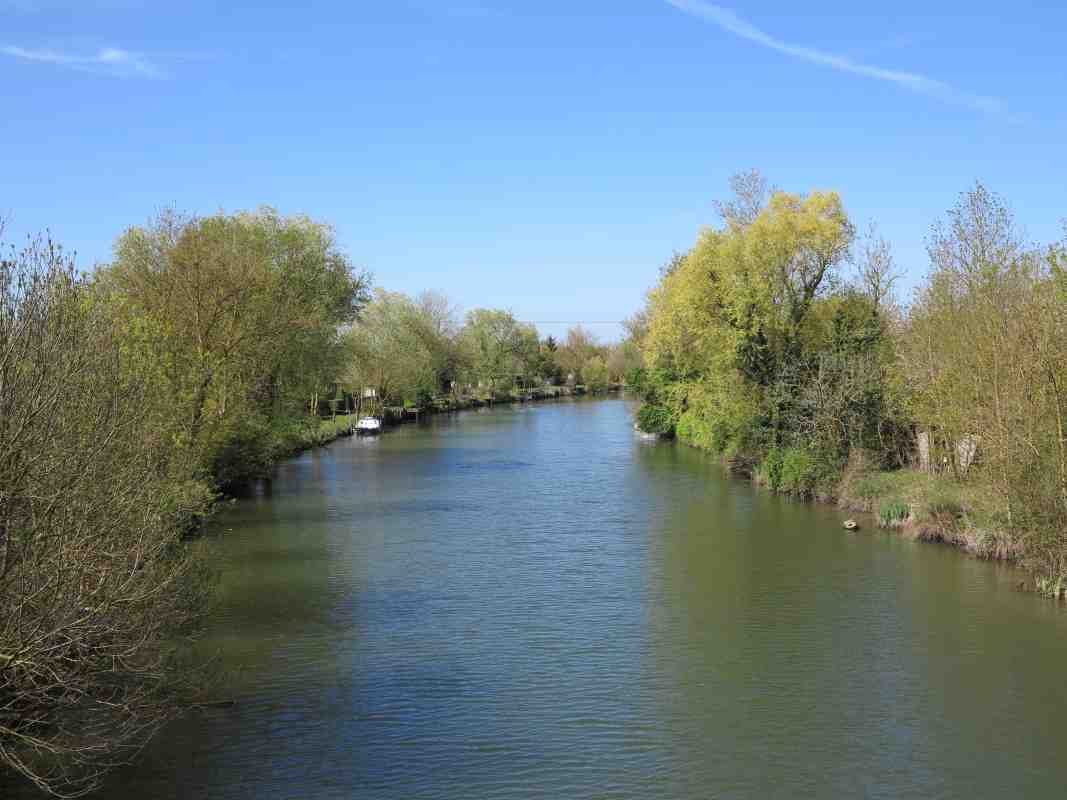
(534, 602)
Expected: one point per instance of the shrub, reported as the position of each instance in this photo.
(595, 374)
(653, 418)
(697, 431)
(793, 470)
(636, 379)
(800, 471)
(241, 452)
(770, 469)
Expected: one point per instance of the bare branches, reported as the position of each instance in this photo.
(876, 271)
(750, 193)
(93, 578)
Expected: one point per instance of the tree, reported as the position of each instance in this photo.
(964, 327)
(595, 374)
(438, 329)
(97, 589)
(498, 347)
(578, 348)
(984, 349)
(623, 358)
(240, 314)
(876, 271)
(396, 348)
(548, 368)
(741, 301)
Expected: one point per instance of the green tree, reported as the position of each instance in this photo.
(498, 348)
(397, 349)
(548, 363)
(595, 374)
(985, 352)
(576, 351)
(240, 316)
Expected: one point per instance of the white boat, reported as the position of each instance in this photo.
(368, 426)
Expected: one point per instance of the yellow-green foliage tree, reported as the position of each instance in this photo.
(731, 322)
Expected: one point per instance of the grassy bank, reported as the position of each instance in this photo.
(930, 507)
(919, 505)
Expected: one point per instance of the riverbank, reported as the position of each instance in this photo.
(918, 505)
(445, 404)
(298, 438)
(929, 507)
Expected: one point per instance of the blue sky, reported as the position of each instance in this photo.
(541, 156)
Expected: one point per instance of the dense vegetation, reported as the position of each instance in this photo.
(776, 340)
(131, 396)
(409, 351)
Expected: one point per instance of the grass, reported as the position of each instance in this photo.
(893, 514)
(930, 507)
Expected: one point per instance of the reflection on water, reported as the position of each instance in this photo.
(533, 602)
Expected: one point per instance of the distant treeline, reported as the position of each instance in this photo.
(778, 341)
(131, 395)
(408, 351)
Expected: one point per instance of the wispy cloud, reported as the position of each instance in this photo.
(732, 23)
(45, 6)
(105, 61)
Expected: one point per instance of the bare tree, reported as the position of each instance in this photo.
(97, 589)
(750, 193)
(876, 270)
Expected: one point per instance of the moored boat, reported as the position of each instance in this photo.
(368, 426)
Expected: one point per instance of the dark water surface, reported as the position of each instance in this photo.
(533, 602)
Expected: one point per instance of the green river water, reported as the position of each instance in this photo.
(535, 602)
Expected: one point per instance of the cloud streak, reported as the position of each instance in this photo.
(111, 61)
(731, 23)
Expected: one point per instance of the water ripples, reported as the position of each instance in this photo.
(534, 602)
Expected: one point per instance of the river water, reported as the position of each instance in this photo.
(534, 602)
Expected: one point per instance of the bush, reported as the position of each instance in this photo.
(652, 418)
(800, 471)
(595, 374)
(635, 379)
(242, 452)
(769, 472)
(793, 470)
(698, 431)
